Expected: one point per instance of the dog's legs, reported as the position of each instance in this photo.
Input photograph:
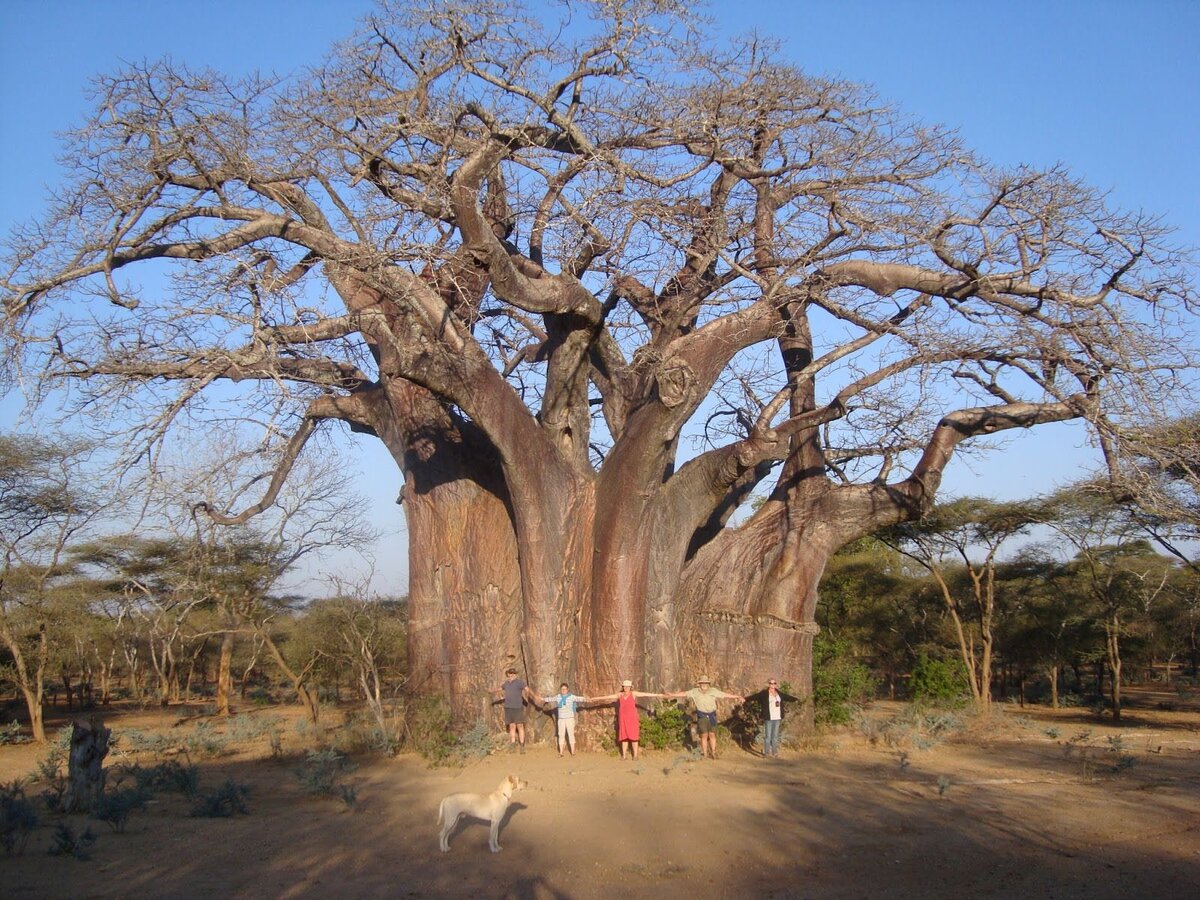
(444, 837)
(447, 826)
(494, 836)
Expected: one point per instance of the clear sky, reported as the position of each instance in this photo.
(1110, 88)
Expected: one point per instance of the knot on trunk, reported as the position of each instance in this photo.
(674, 380)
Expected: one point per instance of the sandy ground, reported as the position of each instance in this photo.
(1036, 803)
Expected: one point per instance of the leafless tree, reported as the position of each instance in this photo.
(592, 282)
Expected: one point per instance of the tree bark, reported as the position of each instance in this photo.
(85, 766)
(225, 673)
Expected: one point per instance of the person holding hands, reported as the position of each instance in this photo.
(628, 723)
(704, 697)
(771, 704)
(514, 692)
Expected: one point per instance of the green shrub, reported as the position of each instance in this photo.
(17, 817)
(938, 681)
(667, 728)
(840, 685)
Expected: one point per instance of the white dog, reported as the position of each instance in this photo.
(489, 807)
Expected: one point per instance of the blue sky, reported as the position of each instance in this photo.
(1112, 89)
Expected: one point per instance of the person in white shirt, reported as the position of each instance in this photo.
(771, 702)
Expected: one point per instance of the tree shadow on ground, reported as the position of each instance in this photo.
(1007, 819)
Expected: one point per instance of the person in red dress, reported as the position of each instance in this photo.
(628, 724)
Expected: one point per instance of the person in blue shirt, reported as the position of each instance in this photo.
(564, 706)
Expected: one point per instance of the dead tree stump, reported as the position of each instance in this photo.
(85, 766)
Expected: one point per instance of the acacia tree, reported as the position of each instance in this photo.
(42, 510)
(1154, 472)
(1116, 566)
(590, 282)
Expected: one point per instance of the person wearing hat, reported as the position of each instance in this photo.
(628, 723)
(704, 697)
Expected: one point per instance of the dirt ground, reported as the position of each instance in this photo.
(1033, 803)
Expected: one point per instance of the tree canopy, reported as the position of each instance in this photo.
(534, 258)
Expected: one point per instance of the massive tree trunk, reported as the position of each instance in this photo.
(546, 270)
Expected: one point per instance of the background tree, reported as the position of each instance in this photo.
(1154, 471)
(526, 256)
(1116, 566)
(42, 509)
(871, 603)
(958, 544)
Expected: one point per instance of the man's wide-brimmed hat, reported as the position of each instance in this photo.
(703, 679)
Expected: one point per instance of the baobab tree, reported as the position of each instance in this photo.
(591, 282)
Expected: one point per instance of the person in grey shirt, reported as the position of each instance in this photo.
(514, 691)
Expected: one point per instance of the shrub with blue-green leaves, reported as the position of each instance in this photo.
(114, 807)
(65, 842)
(225, 801)
(12, 734)
(322, 771)
(18, 818)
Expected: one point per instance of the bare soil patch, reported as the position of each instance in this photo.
(1034, 803)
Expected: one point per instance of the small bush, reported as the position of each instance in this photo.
(11, 734)
(206, 741)
(243, 729)
(142, 742)
(225, 801)
(17, 817)
(64, 842)
(938, 681)
(50, 773)
(429, 728)
(322, 771)
(916, 727)
(114, 807)
(171, 776)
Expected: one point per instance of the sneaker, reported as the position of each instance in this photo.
(522, 748)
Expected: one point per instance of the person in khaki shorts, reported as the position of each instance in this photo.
(704, 697)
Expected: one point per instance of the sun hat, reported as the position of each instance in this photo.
(703, 679)
(626, 683)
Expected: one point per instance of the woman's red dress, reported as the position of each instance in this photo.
(627, 717)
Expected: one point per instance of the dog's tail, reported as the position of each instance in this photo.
(441, 813)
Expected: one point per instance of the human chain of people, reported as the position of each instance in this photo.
(515, 693)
